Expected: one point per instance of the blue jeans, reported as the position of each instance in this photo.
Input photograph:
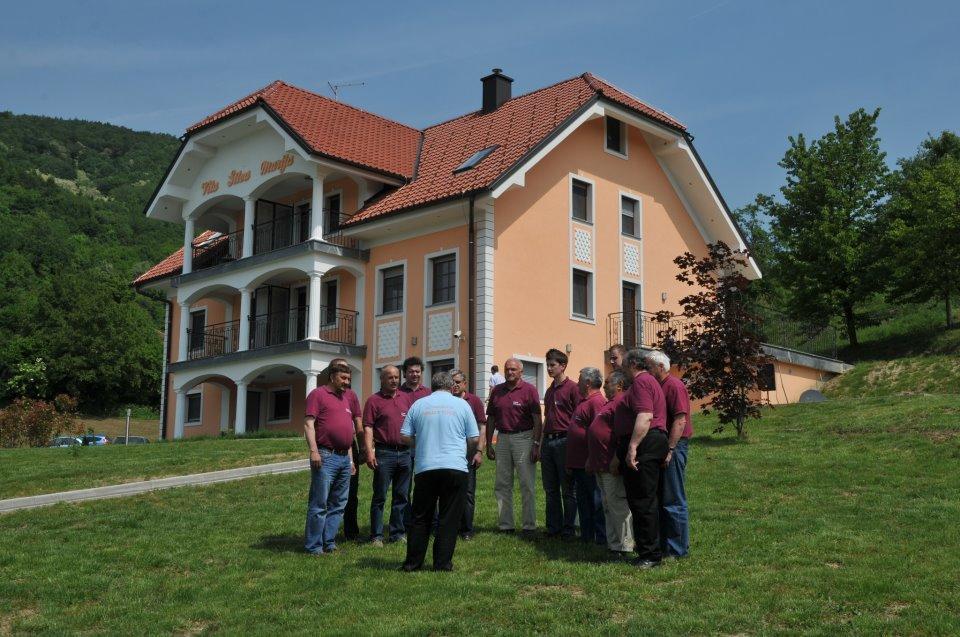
(329, 486)
(593, 524)
(558, 487)
(393, 469)
(674, 519)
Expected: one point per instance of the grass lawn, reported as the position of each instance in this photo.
(840, 517)
(35, 471)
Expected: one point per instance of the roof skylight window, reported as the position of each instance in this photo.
(475, 159)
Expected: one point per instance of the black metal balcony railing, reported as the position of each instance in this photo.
(642, 329)
(276, 328)
(226, 247)
(333, 230)
(282, 231)
(214, 340)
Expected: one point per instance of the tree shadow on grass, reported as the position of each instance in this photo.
(385, 563)
(287, 543)
(568, 550)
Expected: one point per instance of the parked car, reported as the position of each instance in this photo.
(65, 441)
(94, 440)
(134, 440)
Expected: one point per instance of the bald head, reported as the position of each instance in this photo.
(389, 379)
(513, 371)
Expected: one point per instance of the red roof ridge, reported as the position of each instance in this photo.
(516, 97)
(223, 112)
(351, 106)
(598, 84)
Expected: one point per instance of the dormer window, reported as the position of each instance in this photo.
(475, 159)
(616, 137)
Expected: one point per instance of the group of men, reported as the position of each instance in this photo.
(612, 453)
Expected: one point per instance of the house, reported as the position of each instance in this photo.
(315, 230)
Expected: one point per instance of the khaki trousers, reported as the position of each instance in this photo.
(513, 452)
(617, 512)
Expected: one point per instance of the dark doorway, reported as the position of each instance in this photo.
(253, 410)
(631, 292)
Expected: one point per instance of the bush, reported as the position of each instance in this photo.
(31, 422)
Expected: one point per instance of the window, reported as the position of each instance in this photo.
(629, 217)
(279, 405)
(444, 274)
(198, 322)
(331, 220)
(443, 365)
(194, 406)
(391, 283)
(582, 293)
(475, 159)
(580, 200)
(532, 373)
(616, 141)
(329, 310)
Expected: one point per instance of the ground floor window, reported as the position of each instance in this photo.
(194, 407)
(533, 373)
(442, 365)
(279, 404)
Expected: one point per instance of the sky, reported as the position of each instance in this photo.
(743, 75)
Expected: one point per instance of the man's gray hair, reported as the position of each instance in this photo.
(592, 376)
(635, 358)
(441, 381)
(660, 359)
(457, 372)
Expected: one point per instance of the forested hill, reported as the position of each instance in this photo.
(72, 238)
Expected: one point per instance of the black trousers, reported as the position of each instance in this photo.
(447, 487)
(643, 491)
(466, 522)
(351, 530)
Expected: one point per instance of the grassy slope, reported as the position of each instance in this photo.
(839, 517)
(35, 471)
(909, 353)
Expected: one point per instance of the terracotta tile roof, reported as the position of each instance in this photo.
(355, 136)
(173, 264)
(516, 127)
(334, 129)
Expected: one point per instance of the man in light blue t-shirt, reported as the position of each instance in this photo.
(443, 431)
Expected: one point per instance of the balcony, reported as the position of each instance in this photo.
(337, 325)
(287, 228)
(641, 329)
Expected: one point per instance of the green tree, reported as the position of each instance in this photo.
(921, 224)
(824, 226)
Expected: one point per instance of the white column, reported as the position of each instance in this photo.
(243, 341)
(313, 316)
(311, 381)
(181, 415)
(240, 418)
(184, 324)
(249, 208)
(316, 208)
(188, 246)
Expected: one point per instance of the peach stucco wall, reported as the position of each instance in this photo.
(793, 380)
(532, 285)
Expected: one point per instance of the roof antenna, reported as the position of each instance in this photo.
(335, 88)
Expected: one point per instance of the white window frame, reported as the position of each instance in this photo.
(624, 137)
(428, 278)
(437, 359)
(591, 200)
(198, 390)
(591, 318)
(379, 287)
(270, 392)
(541, 364)
(637, 219)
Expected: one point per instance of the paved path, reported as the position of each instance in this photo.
(133, 488)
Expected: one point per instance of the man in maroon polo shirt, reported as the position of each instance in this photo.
(412, 376)
(329, 430)
(513, 410)
(601, 453)
(389, 458)
(640, 422)
(473, 462)
(351, 530)
(589, 499)
(561, 398)
(674, 519)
